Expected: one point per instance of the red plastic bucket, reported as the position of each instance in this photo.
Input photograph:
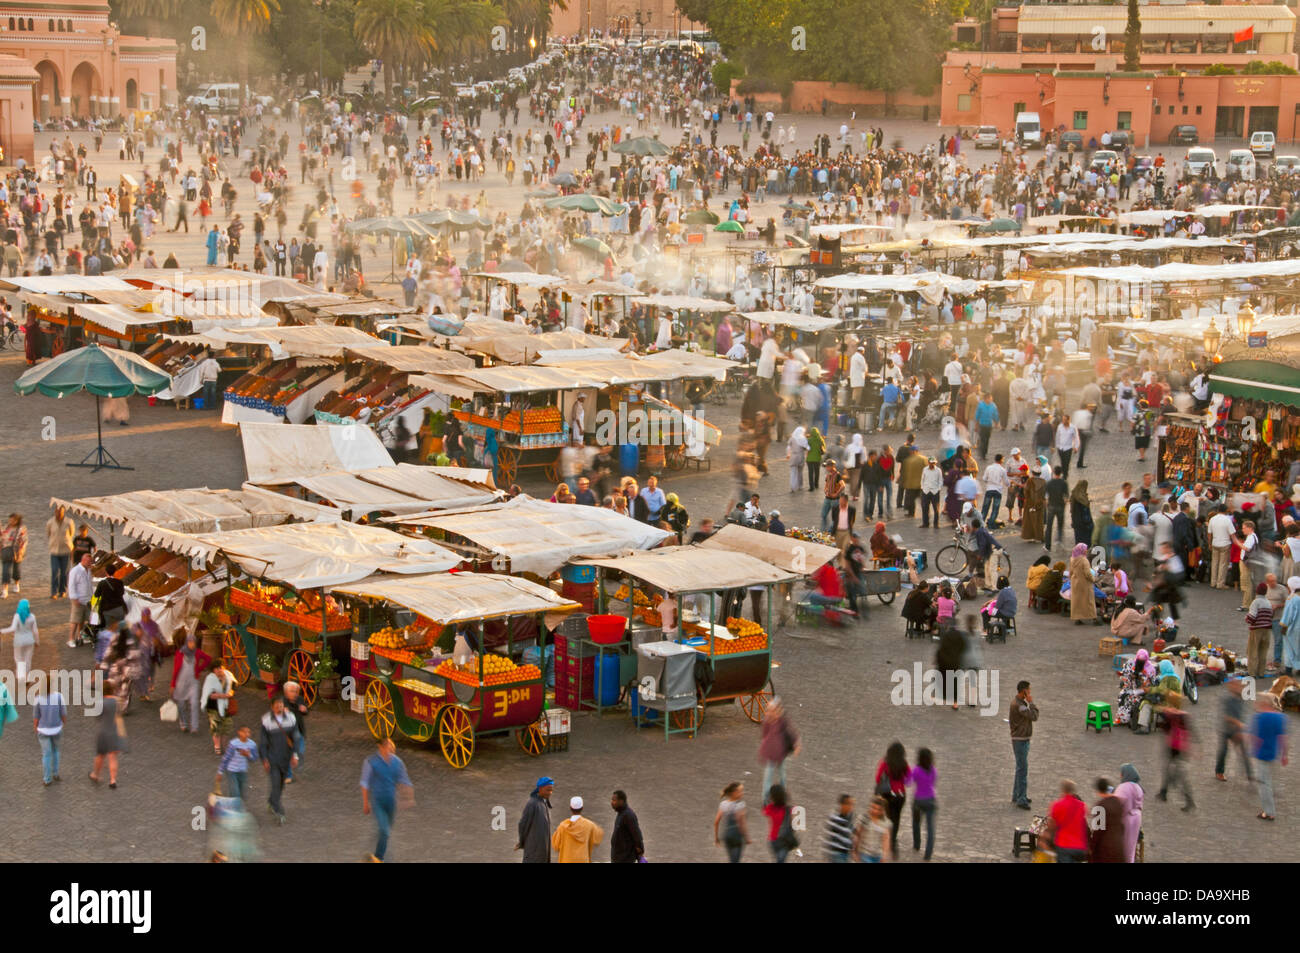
(606, 629)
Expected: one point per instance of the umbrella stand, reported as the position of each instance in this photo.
(103, 459)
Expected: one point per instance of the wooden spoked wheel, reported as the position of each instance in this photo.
(232, 650)
(300, 670)
(755, 706)
(378, 703)
(552, 472)
(533, 738)
(421, 733)
(455, 736)
(675, 456)
(688, 719)
(507, 464)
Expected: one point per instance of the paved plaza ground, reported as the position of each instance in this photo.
(836, 684)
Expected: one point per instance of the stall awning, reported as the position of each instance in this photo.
(414, 358)
(198, 510)
(783, 552)
(449, 598)
(1257, 380)
(279, 453)
(683, 569)
(540, 537)
(791, 319)
(686, 303)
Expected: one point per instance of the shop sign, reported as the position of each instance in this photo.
(1257, 339)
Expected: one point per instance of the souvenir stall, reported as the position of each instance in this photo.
(1256, 403)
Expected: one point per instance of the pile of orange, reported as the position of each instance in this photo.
(497, 670)
(743, 627)
(748, 643)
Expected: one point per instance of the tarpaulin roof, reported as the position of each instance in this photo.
(446, 487)
(279, 453)
(540, 537)
(1175, 273)
(840, 230)
(446, 384)
(198, 510)
(526, 279)
(693, 364)
(414, 358)
(598, 287)
(311, 555)
(1276, 326)
(783, 552)
(348, 491)
(791, 319)
(359, 307)
(687, 303)
(401, 489)
(917, 281)
(1222, 210)
(449, 598)
(519, 380)
(292, 340)
(1257, 380)
(1135, 244)
(209, 282)
(682, 569)
(518, 346)
(64, 284)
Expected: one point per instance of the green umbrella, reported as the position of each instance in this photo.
(104, 372)
(1000, 225)
(585, 202)
(641, 146)
(730, 226)
(700, 216)
(595, 246)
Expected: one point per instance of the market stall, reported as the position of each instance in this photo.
(1257, 427)
(447, 663)
(734, 654)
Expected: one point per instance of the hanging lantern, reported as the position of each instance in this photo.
(1245, 321)
(1212, 338)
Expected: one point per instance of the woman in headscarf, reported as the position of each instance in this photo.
(1291, 628)
(190, 663)
(151, 649)
(1031, 526)
(1129, 792)
(1081, 514)
(884, 549)
(32, 338)
(1083, 601)
(796, 451)
(951, 501)
(1037, 573)
(1167, 680)
(26, 636)
(1129, 623)
(1134, 677)
(855, 454)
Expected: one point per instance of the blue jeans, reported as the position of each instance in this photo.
(837, 856)
(871, 499)
(383, 811)
(773, 771)
(1277, 640)
(886, 410)
(925, 807)
(992, 505)
(1071, 855)
(779, 854)
(1020, 787)
(828, 508)
(58, 575)
(1057, 515)
(50, 745)
(210, 394)
(236, 784)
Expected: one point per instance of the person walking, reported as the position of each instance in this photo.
(1220, 529)
(780, 837)
(296, 705)
(1057, 492)
(217, 694)
(892, 775)
(233, 769)
(49, 713)
(1232, 729)
(1130, 796)
(191, 661)
(1106, 827)
(27, 635)
(931, 484)
(1259, 623)
(1268, 731)
(1178, 743)
(58, 536)
(535, 824)
(778, 742)
(277, 743)
(108, 740)
(625, 842)
(384, 782)
(576, 836)
(1081, 514)
(730, 829)
(1023, 714)
(838, 835)
(1067, 826)
(13, 550)
(923, 777)
(871, 837)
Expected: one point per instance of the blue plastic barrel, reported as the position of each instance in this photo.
(607, 678)
(629, 459)
(634, 704)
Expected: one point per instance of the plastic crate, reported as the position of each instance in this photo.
(558, 721)
(557, 743)
(360, 650)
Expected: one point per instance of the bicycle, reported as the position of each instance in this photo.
(956, 558)
(12, 337)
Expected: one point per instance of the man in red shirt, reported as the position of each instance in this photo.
(829, 592)
(1067, 823)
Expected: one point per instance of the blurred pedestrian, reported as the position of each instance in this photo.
(1106, 841)
(27, 635)
(49, 712)
(190, 664)
(217, 693)
(871, 838)
(1269, 733)
(384, 782)
(892, 774)
(1232, 729)
(779, 741)
(233, 769)
(277, 743)
(839, 831)
(108, 740)
(1130, 794)
(781, 837)
(729, 826)
(13, 550)
(923, 778)
(1067, 826)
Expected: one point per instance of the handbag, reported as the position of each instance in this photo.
(6, 554)
(232, 706)
(883, 787)
(785, 836)
(169, 711)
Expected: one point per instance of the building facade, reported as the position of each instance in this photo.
(1063, 62)
(631, 17)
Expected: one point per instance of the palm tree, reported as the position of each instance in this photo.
(397, 32)
(243, 19)
(150, 12)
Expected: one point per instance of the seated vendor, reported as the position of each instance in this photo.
(1004, 604)
(1037, 572)
(918, 607)
(884, 549)
(829, 591)
(1049, 590)
(1129, 623)
(1136, 675)
(855, 565)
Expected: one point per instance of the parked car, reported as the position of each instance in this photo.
(1286, 165)
(1071, 137)
(1103, 158)
(1263, 144)
(986, 137)
(1200, 162)
(1185, 135)
(1143, 165)
(1119, 139)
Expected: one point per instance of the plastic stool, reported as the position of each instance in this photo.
(1097, 716)
(1025, 842)
(198, 403)
(996, 632)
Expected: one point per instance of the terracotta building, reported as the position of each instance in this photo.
(657, 17)
(1063, 62)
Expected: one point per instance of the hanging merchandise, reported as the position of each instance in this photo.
(1266, 430)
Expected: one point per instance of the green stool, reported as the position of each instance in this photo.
(1098, 716)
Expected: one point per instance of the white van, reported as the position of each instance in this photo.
(1200, 161)
(216, 96)
(1263, 144)
(1029, 131)
(1241, 164)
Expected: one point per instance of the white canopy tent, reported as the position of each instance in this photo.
(791, 319)
(279, 453)
(686, 569)
(449, 598)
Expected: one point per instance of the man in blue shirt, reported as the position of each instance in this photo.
(986, 417)
(654, 499)
(1269, 730)
(888, 404)
(381, 775)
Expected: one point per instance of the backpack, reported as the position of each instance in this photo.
(785, 836)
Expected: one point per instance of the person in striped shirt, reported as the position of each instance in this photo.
(838, 837)
(233, 770)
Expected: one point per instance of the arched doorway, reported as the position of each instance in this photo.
(132, 95)
(86, 91)
(47, 94)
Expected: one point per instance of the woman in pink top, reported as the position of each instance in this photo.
(923, 778)
(947, 606)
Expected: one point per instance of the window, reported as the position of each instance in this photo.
(1198, 110)
(963, 102)
(1171, 110)
(1124, 120)
(1081, 119)
(1018, 108)
(11, 23)
(31, 24)
(21, 25)
(1214, 43)
(1033, 44)
(51, 27)
(1184, 110)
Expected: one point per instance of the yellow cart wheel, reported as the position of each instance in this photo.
(532, 738)
(300, 670)
(455, 736)
(378, 703)
(232, 650)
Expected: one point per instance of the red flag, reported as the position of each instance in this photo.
(1241, 36)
